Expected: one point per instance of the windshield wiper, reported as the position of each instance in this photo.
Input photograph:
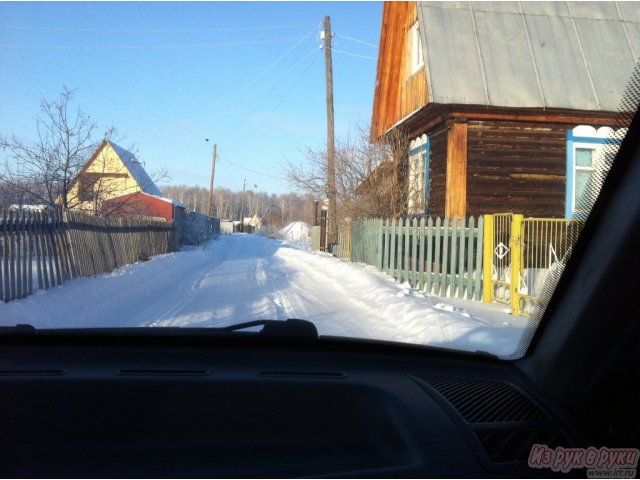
(290, 328)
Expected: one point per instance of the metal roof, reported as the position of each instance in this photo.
(575, 55)
(136, 169)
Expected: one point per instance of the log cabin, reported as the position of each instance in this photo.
(506, 103)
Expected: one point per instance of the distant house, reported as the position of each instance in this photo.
(251, 224)
(110, 172)
(506, 103)
(139, 204)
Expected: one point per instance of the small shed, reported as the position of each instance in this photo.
(251, 224)
(142, 204)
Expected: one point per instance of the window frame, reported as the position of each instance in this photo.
(574, 142)
(420, 157)
(416, 54)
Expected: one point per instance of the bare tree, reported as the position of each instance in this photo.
(49, 169)
(371, 178)
(44, 168)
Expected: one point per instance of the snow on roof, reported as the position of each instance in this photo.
(173, 201)
(136, 169)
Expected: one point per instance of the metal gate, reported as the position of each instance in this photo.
(546, 245)
(501, 258)
(520, 254)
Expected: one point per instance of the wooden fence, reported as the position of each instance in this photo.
(42, 249)
(503, 258)
(441, 257)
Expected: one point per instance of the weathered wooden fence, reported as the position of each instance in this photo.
(41, 249)
(442, 257)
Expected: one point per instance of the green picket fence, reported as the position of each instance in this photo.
(441, 257)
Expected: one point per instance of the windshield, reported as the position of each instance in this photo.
(406, 172)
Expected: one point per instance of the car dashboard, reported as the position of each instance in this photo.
(112, 407)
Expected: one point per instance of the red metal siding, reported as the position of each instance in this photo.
(136, 205)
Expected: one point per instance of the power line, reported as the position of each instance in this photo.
(356, 40)
(277, 81)
(261, 74)
(353, 54)
(151, 30)
(257, 172)
(151, 47)
(289, 91)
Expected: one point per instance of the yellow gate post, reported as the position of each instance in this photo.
(515, 245)
(487, 259)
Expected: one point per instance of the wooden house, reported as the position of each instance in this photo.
(110, 172)
(506, 103)
(251, 224)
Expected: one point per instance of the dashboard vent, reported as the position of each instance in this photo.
(503, 422)
(514, 444)
(485, 401)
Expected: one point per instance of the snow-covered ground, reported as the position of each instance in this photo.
(241, 277)
(297, 233)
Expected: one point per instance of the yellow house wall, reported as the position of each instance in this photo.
(106, 161)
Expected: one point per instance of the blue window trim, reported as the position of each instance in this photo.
(571, 141)
(426, 148)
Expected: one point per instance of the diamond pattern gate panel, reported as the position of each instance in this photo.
(501, 258)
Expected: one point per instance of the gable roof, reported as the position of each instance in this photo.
(136, 169)
(574, 55)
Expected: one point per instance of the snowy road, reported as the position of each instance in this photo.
(239, 278)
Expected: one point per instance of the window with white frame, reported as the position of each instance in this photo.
(587, 149)
(418, 193)
(584, 155)
(417, 60)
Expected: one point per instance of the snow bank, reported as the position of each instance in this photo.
(296, 232)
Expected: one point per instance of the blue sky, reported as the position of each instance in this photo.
(167, 75)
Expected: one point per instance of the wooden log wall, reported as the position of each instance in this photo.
(438, 171)
(519, 166)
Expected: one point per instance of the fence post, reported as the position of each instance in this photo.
(487, 259)
(515, 245)
(380, 243)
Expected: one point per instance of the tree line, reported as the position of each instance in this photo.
(273, 209)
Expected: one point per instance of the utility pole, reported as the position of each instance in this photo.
(331, 150)
(244, 188)
(213, 172)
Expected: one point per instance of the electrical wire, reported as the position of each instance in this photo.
(150, 47)
(277, 81)
(264, 72)
(356, 40)
(257, 172)
(152, 30)
(342, 52)
(289, 91)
